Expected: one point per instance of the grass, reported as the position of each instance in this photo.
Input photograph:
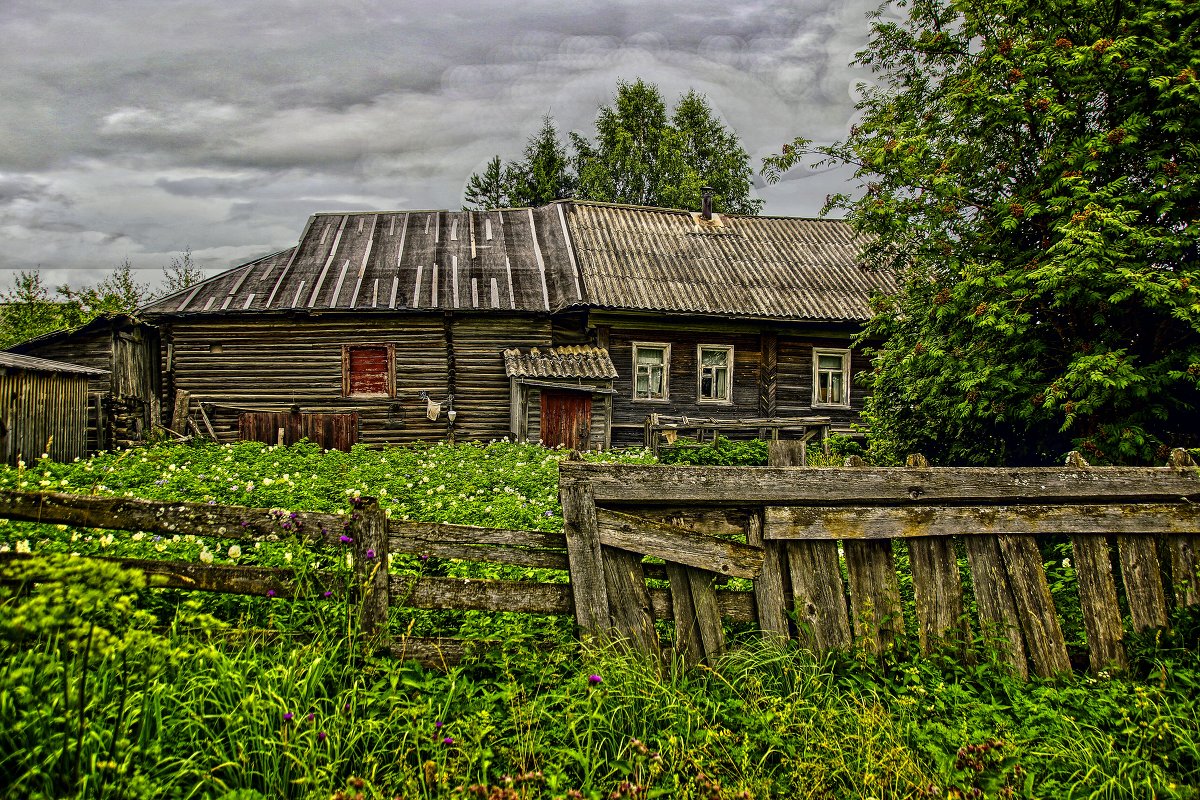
(110, 690)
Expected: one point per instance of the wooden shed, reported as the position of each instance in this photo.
(43, 408)
(124, 390)
(386, 322)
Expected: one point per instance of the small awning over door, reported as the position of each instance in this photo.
(561, 396)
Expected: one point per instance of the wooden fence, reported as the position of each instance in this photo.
(814, 547)
(819, 545)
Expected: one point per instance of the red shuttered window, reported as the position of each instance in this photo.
(369, 370)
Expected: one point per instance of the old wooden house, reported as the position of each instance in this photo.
(43, 408)
(124, 388)
(569, 323)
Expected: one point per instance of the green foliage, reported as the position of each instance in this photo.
(640, 156)
(181, 273)
(721, 452)
(28, 310)
(1030, 174)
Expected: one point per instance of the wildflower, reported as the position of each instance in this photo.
(449, 740)
(326, 594)
(438, 724)
(424, 556)
(344, 539)
(1066, 563)
(311, 716)
(235, 551)
(206, 557)
(322, 736)
(23, 546)
(595, 680)
(270, 592)
(288, 716)
(370, 554)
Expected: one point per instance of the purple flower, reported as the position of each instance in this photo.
(327, 593)
(271, 593)
(288, 716)
(370, 554)
(438, 724)
(160, 483)
(344, 539)
(424, 557)
(294, 515)
(448, 740)
(595, 680)
(311, 716)
(322, 736)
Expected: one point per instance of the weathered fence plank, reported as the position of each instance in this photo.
(628, 484)
(818, 595)
(688, 643)
(476, 594)
(937, 587)
(874, 593)
(769, 589)
(583, 552)
(1035, 607)
(370, 535)
(155, 516)
(629, 604)
(672, 543)
(912, 521)
(1098, 603)
(994, 601)
(1141, 573)
(1185, 563)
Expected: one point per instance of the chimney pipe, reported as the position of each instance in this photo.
(706, 194)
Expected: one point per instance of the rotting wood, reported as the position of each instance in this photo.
(409, 537)
(994, 601)
(884, 522)
(169, 518)
(1097, 594)
(1141, 573)
(628, 602)
(179, 415)
(937, 587)
(583, 553)
(1184, 548)
(369, 531)
(734, 606)
(628, 484)
(708, 615)
(769, 586)
(497, 554)
(874, 593)
(672, 543)
(476, 594)
(1035, 606)
(688, 643)
(818, 595)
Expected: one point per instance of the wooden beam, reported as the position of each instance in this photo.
(680, 545)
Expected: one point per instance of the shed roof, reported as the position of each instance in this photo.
(16, 361)
(578, 361)
(568, 253)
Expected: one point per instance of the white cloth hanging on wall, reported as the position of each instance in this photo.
(433, 410)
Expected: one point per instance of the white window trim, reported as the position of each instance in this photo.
(844, 354)
(666, 348)
(713, 401)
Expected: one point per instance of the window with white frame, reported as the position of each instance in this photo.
(831, 378)
(651, 366)
(715, 373)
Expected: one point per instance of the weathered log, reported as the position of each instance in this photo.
(476, 594)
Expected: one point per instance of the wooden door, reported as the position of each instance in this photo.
(566, 419)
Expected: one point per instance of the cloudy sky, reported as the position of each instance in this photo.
(137, 128)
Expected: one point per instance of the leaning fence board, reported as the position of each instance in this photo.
(874, 593)
(1141, 573)
(687, 631)
(672, 543)
(769, 588)
(698, 632)
(840, 522)
(583, 552)
(629, 604)
(818, 595)
(155, 516)
(1035, 607)
(626, 484)
(1185, 569)
(938, 594)
(1098, 603)
(994, 601)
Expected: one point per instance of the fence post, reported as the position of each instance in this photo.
(584, 560)
(874, 589)
(369, 530)
(1184, 548)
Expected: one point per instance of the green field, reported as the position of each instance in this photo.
(108, 689)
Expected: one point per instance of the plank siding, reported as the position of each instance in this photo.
(42, 412)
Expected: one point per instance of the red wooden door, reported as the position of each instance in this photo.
(566, 419)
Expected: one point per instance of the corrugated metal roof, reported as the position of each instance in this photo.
(504, 260)
(16, 361)
(568, 253)
(579, 361)
(664, 260)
